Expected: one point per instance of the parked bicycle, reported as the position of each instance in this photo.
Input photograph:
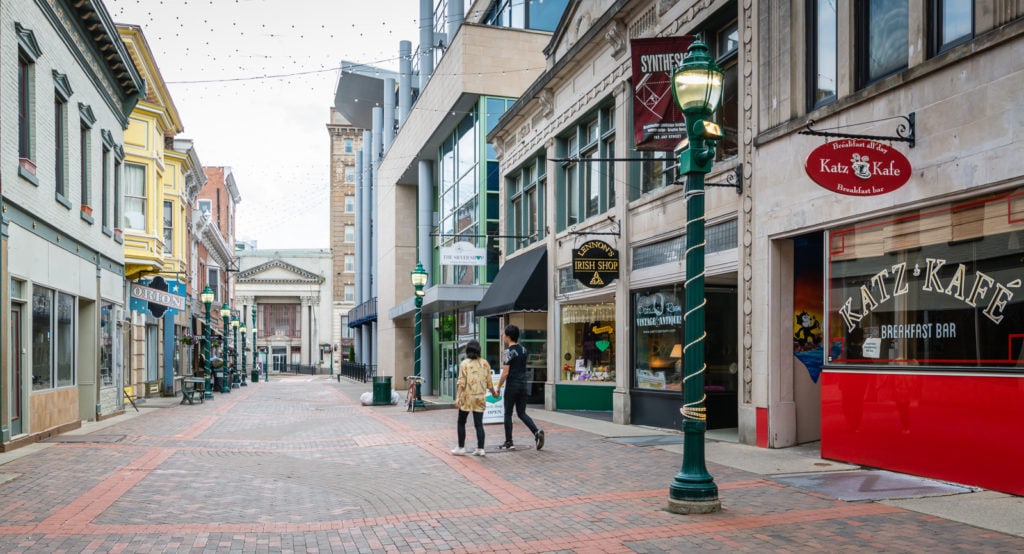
(410, 396)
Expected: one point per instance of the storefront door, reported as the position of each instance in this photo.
(18, 390)
(448, 367)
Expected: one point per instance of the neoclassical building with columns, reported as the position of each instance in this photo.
(291, 293)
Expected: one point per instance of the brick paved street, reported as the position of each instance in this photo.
(297, 465)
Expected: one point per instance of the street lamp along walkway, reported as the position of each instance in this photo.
(697, 89)
(207, 298)
(419, 281)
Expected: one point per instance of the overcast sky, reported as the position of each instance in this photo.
(270, 131)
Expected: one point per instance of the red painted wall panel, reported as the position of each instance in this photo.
(962, 428)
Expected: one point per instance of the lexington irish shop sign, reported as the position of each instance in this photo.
(858, 167)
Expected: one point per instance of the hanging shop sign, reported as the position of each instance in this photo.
(595, 264)
(463, 253)
(858, 167)
(657, 122)
(157, 296)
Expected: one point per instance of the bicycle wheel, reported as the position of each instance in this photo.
(410, 400)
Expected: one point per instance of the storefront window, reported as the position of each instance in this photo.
(933, 288)
(658, 328)
(107, 344)
(588, 343)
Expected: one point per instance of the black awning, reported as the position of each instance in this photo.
(521, 285)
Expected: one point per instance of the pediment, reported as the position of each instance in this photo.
(278, 271)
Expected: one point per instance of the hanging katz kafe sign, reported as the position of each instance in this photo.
(595, 264)
(857, 167)
(657, 122)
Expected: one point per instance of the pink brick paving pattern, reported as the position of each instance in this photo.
(525, 501)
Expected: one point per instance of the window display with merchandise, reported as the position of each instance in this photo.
(588, 343)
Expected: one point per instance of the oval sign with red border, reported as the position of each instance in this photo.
(858, 167)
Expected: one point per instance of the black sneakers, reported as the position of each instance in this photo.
(539, 437)
(507, 446)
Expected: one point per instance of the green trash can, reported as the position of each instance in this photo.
(255, 376)
(382, 390)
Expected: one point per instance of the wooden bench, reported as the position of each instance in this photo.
(192, 386)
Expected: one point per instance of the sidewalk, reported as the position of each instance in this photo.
(978, 507)
(298, 464)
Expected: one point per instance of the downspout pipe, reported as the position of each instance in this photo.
(389, 113)
(404, 81)
(426, 42)
(425, 255)
(456, 14)
(376, 145)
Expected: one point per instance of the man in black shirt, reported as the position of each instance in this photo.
(513, 377)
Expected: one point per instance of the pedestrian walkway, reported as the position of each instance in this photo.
(297, 465)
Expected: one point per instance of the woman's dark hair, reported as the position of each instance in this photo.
(473, 349)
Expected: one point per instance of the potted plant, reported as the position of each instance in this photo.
(87, 209)
(186, 339)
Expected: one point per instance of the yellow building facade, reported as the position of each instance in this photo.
(151, 220)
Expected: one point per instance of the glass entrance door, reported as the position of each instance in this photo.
(18, 386)
(280, 359)
(449, 369)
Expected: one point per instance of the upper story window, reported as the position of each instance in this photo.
(135, 196)
(882, 39)
(822, 53)
(587, 186)
(658, 170)
(526, 192)
(206, 206)
(539, 15)
(726, 52)
(350, 174)
(28, 53)
(348, 146)
(350, 233)
(951, 23)
(350, 293)
(168, 227)
(213, 281)
(60, 144)
(350, 263)
(350, 204)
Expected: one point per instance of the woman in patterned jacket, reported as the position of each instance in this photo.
(471, 396)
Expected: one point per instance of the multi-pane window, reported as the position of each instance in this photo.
(526, 187)
(350, 233)
(350, 174)
(348, 146)
(822, 51)
(658, 170)
(168, 227)
(24, 108)
(135, 196)
(280, 320)
(206, 206)
(350, 203)
(519, 14)
(60, 144)
(105, 187)
(952, 23)
(213, 281)
(350, 293)
(882, 40)
(53, 339)
(346, 331)
(107, 344)
(118, 170)
(586, 186)
(350, 263)
(727, 43)
(84, 165)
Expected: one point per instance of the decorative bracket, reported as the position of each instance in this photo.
(906, 131)
(733, 179)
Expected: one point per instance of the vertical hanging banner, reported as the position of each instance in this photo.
(657, 122)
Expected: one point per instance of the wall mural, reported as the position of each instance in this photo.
(808, 302)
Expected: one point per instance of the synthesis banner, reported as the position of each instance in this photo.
(657, 122)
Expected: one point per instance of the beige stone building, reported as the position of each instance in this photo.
(346, 142)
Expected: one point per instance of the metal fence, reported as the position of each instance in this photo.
(358, 372)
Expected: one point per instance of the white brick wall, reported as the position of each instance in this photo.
(40, 200)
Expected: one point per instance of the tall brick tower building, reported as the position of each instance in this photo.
(346, 141)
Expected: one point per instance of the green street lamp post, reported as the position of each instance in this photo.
(225, 383)
(207, 297)
(255, 353)
(234, 357)
(244, 343)
(697, 89)
(419, 280)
